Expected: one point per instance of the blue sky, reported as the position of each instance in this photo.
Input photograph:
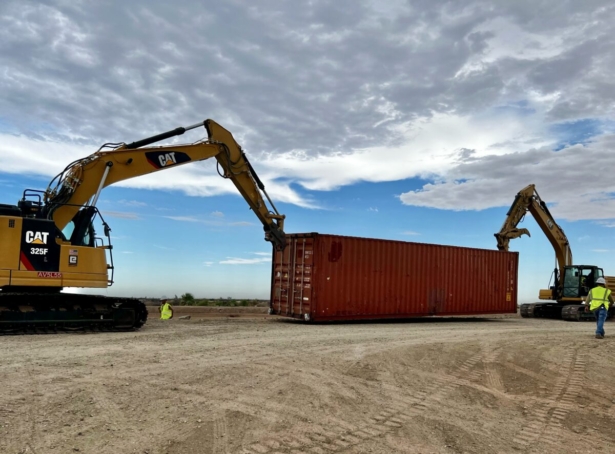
(414, 121)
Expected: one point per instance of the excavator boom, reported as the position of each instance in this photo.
(82, 181)
(528, 200)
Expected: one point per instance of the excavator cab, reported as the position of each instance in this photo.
(579, 280)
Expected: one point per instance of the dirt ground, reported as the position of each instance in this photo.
(258, 384)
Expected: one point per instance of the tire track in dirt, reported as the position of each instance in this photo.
(221, 437)
(34, 433)
(545, 426)
(492, 376)
(343, 434)
(408, 405)
(115, 415)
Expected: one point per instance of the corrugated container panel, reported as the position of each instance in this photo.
(323, 277)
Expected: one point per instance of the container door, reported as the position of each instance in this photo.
(281, 279)
(292, 278)
(302, 266)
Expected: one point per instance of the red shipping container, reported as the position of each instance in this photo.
(320, 277)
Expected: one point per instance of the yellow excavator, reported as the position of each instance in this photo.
(571, 283)
(48, 241)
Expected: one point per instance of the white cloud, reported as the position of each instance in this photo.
(430, 147)
(164, 248)
(183, 218)
(47, 156)
(121, 215)
(132, 203)
(565, 179)
(410, 233)
(243, 261)
(322, 94)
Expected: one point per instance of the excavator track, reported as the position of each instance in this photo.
(22, 313)
(570, 312)
(541, 310)
(577, 312)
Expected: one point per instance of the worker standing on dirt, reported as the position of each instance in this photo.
(598, 301)
(166, 310)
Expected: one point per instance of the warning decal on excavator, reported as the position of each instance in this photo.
(167, 158)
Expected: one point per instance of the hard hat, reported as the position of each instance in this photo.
(600, 280)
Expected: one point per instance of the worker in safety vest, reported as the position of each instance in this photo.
(166, 310)
(598, 301)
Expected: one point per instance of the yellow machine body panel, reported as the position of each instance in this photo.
(30, 256)
(5, 277)
(36, 278)
(10, 240)
(545, 294)
(83, 266)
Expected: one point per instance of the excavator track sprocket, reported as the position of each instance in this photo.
(573, 313)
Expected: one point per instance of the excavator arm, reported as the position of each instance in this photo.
(81, 182)
(528, 200)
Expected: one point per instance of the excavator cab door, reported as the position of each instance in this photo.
(588, 280)
(572, 282)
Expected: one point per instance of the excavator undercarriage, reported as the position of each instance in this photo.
(570, 312)
(43, 312)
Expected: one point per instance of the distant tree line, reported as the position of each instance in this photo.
(188, 299)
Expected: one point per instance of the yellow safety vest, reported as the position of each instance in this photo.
(600, 296)
(166, 312)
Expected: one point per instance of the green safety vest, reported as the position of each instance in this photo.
(600, 296)
(166, 312)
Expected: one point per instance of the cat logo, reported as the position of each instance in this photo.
(167, 159)
(36, 237)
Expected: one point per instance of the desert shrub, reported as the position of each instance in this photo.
(187, 299)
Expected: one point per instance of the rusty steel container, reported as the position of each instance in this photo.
(320, 277)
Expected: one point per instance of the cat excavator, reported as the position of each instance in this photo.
(571, 283)
(48, 241)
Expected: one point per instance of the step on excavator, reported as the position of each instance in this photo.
(48, 241)
(571, 283)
